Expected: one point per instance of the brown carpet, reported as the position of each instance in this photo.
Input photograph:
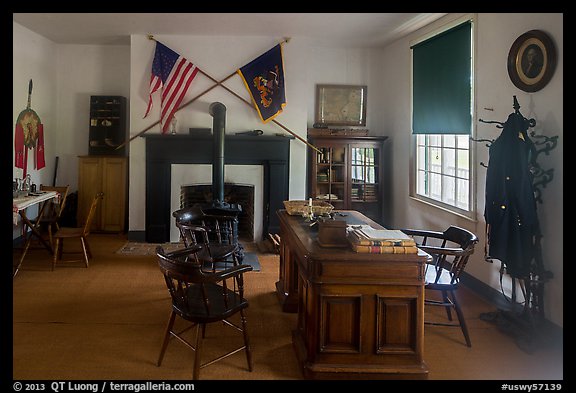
(106, 323)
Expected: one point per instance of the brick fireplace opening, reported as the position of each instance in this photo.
(241, 194)
(198, 177)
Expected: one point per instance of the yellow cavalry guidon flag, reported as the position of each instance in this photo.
(264, 79)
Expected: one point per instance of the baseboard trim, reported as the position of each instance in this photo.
(137, 236)
(496, 298)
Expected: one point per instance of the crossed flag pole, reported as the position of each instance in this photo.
(216, 84)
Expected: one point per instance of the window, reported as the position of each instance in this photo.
(442, 102)
(443, 169)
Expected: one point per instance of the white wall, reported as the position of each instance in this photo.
(305, 64)
(64, 77)
(494, 90)
(84, 70)
(34, 57)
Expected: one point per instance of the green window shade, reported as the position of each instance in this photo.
(442, 83)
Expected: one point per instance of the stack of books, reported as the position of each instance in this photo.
(366, 239)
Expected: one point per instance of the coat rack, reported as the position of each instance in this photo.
(525, 324)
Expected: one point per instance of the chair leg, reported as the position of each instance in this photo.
(166, 337)
(196, 373)
(461, 319)
(448, 306)
(50, 235)
(246, 342)
(85, 249)
(88, 250)
(24, 252)
(235, 260)
(57, 252)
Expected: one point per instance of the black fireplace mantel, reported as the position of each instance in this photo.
(272, 152)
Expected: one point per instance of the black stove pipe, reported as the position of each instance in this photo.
(218, 112)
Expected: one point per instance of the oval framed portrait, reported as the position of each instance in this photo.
(532, 61)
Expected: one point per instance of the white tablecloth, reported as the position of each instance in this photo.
(31, 200)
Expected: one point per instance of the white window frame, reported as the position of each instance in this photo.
(472, 207)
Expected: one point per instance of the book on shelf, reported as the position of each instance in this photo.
(385, 249)
(365, 235)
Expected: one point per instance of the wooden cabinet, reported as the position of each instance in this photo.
(348, 173)
(107, 125)
(108, 175)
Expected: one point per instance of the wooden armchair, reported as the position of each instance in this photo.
(214, 232)
(202, 298)
(450, 251)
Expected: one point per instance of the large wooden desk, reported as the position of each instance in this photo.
(360, 316)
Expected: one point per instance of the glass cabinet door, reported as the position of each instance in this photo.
(331, 175)
(348, 173)
(364, 179)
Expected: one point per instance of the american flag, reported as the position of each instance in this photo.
(173, 73)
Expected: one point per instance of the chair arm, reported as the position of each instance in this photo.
(220, 217)
(443, 250)
(228, 273)
(425, 233)
(195, 227)
(183, 251)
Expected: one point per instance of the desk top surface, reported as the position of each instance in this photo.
(32, 199)
(308, 239)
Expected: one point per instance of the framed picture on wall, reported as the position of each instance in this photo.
(532, 60)
(341, 105)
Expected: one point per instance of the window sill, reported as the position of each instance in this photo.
(470, 216)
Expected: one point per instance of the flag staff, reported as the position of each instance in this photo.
(251, 106)
(151, 37)
(220, 83)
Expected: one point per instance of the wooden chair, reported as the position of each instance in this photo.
(214, 232)
(51, 215)
(450, 251)
(201, 298)
(76, 233)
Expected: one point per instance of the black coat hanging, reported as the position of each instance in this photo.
(510, 211)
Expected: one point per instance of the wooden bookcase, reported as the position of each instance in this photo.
(107, 125)
(348, 173)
